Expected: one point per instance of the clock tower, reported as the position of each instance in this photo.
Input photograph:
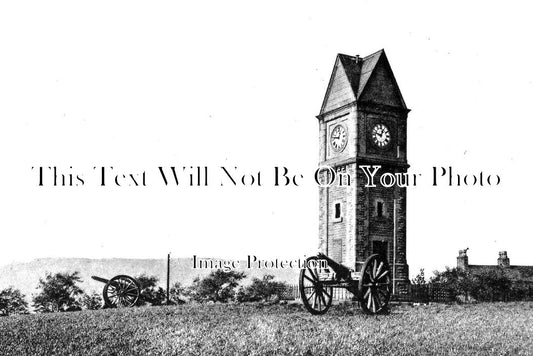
(363, 122)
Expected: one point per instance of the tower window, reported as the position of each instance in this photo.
(380, 209)
(337, 210)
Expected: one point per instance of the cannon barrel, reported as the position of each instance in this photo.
(341, 270)
(100, 279)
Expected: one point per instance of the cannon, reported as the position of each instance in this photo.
(120, 291)
(321, 275)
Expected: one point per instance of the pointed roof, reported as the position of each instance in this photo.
(360, 73)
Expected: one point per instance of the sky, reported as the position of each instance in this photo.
(137, 85)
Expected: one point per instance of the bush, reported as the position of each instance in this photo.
(261, 290)
(150, 291)
(218, 286)
(482, 285)
(12, 301)
(458, 282)
(177, 292)
(92, 302)
(420, 278)
(241, 295)
(59, 292)
(491, 285)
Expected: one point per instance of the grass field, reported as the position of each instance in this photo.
(482, 329)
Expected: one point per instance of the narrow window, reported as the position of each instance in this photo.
(380, 209)
(337, 210)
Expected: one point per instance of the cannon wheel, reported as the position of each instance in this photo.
(316, 297)
(121, 291)
(375, 285)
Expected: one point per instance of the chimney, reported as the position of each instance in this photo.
(462, 260)
(503, 260)
(357, 58)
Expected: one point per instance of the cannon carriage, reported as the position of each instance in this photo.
(371, 286)
(120, 291)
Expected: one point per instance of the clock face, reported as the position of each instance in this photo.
(338, 138)
(381, 135)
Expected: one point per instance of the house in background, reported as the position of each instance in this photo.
(515, 273)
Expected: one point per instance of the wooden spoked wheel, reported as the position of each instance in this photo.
(375, 285)
(316, 296)
(122, 291)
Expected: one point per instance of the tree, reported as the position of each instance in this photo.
(12, 301)
(59, 292)
(150, 291)
(262, 289)
(92, 302)
(218, 286)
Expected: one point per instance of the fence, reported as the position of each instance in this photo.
(424, 294)
(435, 292)
(292, 292)
(431, 292)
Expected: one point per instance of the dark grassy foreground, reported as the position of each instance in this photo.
(495, 329)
